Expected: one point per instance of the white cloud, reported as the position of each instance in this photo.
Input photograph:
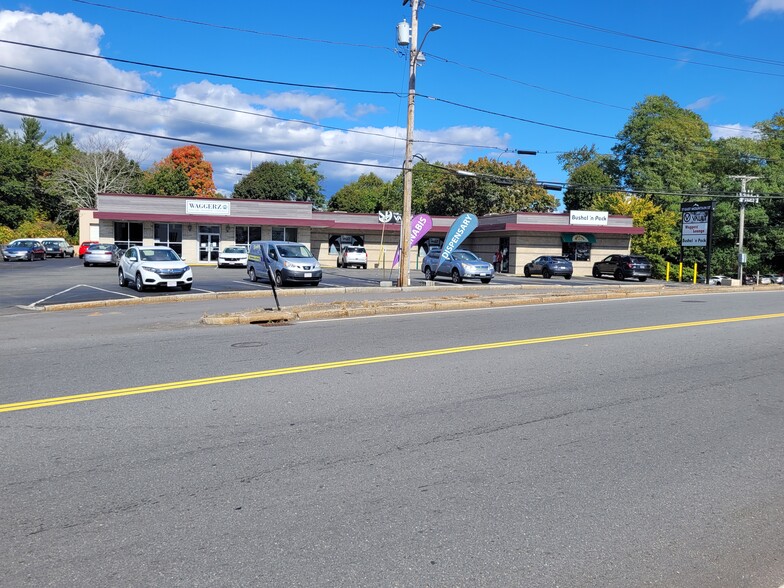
(313, 107)
(733, 130)
(59, 31)
(703, 103)
(243, 120)
(761, 7)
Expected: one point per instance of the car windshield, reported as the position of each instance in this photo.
(51, 242)
(23, 244)
(158, 255)
(294, 251)
(464, 256)
(101, 247)
(355, 249)
(235, 250)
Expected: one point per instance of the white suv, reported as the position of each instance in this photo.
(154, 266)
(353, 255)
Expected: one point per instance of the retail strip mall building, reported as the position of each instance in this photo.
(198, 228)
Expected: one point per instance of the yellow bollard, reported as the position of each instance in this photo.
(680, 272)
(667, 276)
(695, 273)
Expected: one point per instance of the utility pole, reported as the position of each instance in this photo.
(743, 199)
(408, 164)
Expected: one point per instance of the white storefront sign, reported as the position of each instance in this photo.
(695, 228)
(208, 207)
(588, 217)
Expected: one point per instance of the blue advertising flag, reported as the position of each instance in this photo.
(460, 229)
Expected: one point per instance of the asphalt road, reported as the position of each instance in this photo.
(619, 443)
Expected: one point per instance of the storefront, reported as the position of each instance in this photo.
(198, 228)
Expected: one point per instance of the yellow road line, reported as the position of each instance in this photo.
(44, 402)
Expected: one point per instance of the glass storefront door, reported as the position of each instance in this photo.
(209, 242)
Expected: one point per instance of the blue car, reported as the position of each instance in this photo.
(24, 250)
(460, 265)
(548, 266)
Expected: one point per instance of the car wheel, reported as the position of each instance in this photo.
(186, 287)
(596, 273)
(138, 283)
(429, 275)
(278, 280)
(546, 273)
(122, 280)
(618, 275)
(527, 272)
(568, 276)
(252, 275)
(86, 264)
(643, 279)
(338, 263)
(456, 276)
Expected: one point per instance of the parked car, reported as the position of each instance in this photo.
(84, 247)
(460, 265)
(352, 255)
(288, 262)
(102, 254)
(236, 256)
(774, 279)
(624, 266)
(148, 267)
(718, 280)
(65, 247)
(548, 266)
(24, 250)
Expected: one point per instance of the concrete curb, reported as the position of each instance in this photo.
(346, 309)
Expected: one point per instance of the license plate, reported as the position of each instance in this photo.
(308, 275)
(171, 284)
(483, 274)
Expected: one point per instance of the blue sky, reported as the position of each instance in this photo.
(499, 75)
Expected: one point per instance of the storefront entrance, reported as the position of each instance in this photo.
(209, 242)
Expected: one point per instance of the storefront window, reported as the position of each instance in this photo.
(336, 242)
(169, 235)
(577, 251)
(244, 235)
(128, 234)
(284, 233)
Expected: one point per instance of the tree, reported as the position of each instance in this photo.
(190, 160)
(660, 225)
(102, 167)
(663, 147)
(366, 194)
(293, 180)
(494, 188)
(589, 173)
(166, 181)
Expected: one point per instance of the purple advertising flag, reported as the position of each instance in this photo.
(420, 225)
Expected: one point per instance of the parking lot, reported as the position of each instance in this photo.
(32, 285)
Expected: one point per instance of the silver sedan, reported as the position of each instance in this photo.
(102, 254)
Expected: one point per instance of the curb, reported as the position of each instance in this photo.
(339, 310)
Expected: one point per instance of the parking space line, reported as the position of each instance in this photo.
(248, 283)
(74, 287)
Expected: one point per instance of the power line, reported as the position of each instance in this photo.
(545, 16)
(205, 73)
(235, 110)
(230, 28)
(610, 47)
(196, 142)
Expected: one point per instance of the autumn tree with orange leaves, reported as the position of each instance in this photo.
(188, 161)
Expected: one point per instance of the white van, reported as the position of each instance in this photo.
(289, 263)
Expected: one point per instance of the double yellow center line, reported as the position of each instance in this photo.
(57, 400)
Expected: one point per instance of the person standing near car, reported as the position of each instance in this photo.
(499, 258)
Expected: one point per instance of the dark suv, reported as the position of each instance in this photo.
(624, 266)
